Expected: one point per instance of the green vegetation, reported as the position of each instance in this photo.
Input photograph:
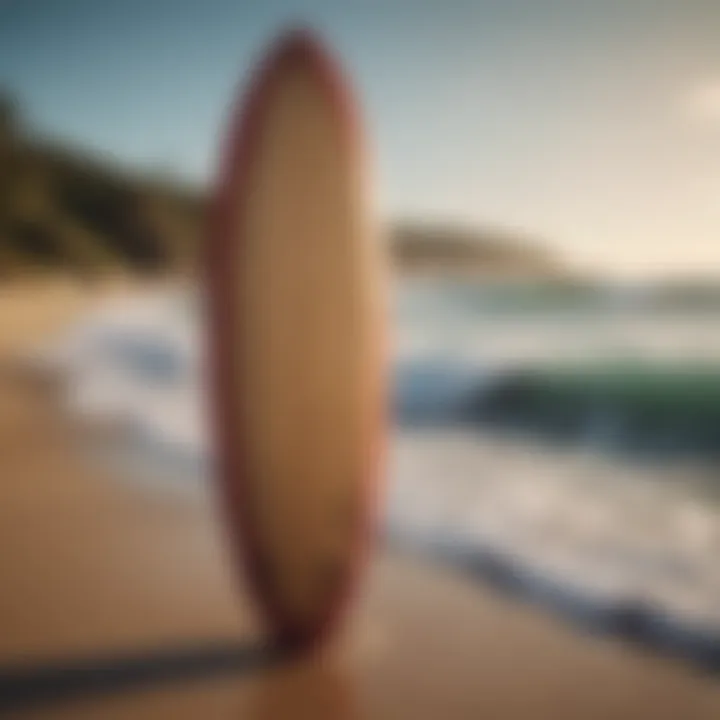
(62, 209)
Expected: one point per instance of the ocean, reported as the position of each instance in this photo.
(622, 535)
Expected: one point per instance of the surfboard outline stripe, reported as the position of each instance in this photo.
(239, 143)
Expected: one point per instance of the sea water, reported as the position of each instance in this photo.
(615, 530)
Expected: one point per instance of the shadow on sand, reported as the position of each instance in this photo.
(27, 686)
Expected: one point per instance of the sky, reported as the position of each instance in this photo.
(591, 125)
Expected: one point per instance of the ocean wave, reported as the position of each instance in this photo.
(621, 544)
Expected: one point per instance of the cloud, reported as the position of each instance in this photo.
(701, 101)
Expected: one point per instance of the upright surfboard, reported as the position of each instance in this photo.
(295, 284)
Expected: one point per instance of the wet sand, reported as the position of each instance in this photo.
(92, 565)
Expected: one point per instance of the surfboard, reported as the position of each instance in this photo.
(295, 291)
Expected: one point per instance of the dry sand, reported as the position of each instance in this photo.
(93, 565)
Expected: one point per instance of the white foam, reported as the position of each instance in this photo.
(614, 529)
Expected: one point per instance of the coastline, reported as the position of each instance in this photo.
(101, 566)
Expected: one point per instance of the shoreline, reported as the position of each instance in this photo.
(99, 566)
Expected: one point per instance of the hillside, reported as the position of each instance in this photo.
(434, 247)
(62, 208)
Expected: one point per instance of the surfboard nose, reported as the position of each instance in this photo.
(299, 40)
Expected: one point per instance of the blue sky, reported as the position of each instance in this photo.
(594, 125)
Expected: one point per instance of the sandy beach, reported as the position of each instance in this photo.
(93, 565)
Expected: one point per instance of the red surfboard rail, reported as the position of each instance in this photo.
(222, 257)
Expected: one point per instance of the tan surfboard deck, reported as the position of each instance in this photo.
(295, 296)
